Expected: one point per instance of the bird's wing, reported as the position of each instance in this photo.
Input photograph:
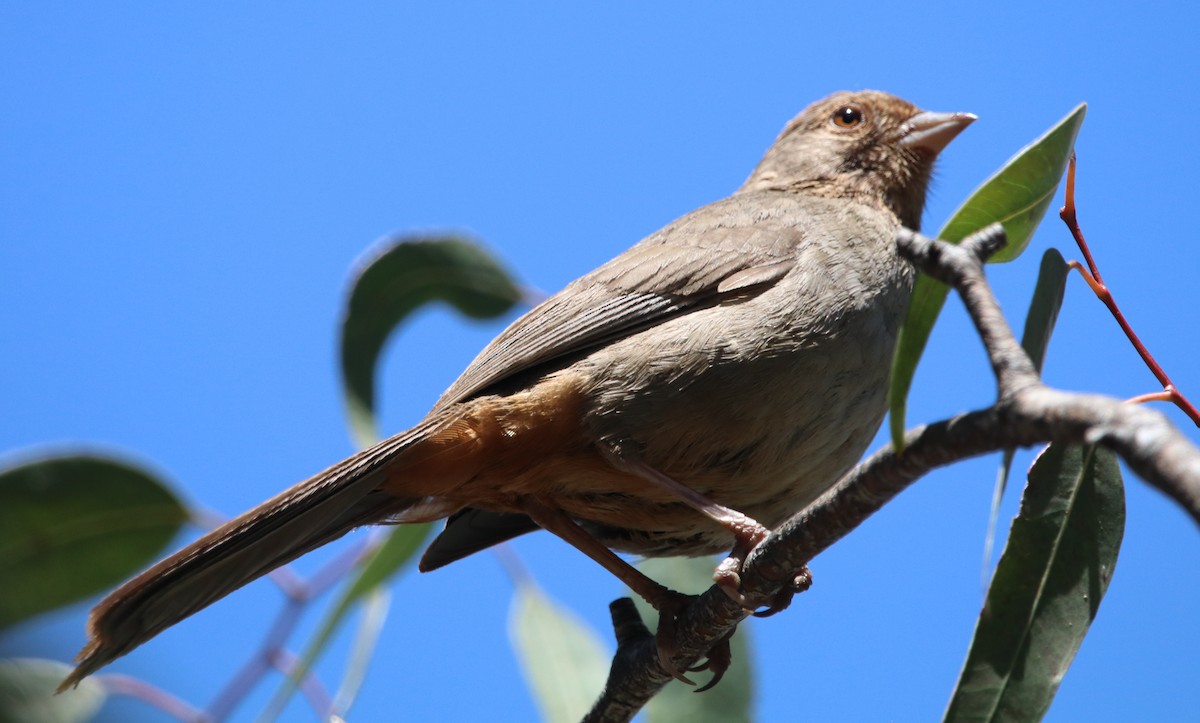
(716, 252)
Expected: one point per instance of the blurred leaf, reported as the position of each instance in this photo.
(1044, 307)
(402, 543)
(1055, 569)
(1017, 196)
(404, 275)
(75, 525)
(374, 614)
(565, 663)
(1039, 325)
(730, 700)
(27, 693)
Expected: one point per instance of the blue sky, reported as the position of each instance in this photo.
(184, 188)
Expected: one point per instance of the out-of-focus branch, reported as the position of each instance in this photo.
(118, 684)
(271, 652)
(1026, 412)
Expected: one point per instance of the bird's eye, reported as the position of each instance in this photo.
(847, 117)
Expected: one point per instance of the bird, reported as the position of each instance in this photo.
(681, 399)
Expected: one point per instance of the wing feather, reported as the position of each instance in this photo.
(723, 249)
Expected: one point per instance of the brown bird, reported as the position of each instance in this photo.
(722, 373)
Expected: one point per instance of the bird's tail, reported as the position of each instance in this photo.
(315, 512)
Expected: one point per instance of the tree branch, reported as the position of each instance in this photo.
(1026, 412)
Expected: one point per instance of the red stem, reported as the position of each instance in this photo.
(1092, 276)
(1163, 396)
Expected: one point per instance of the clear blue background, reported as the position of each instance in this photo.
(184, 188)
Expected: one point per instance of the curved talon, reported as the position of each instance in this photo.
(719, 658)
(664, 659)
(665, 636)
(783, 599)
(779, 603)
(717, 675)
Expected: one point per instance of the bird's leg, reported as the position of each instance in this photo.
(666, 601)
(747, 532)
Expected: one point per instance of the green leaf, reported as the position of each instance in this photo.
(402, 543)
(1044, 307)
(75, 525)
(1017, 196)
(1039, 325)
(374, 613)
(397, 280)
(731, 699)
(1060, 556)
(27, 693)
(565, 663)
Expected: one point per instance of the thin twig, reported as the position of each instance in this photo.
(299, 595)
(253, 670)
(1092, 276)
(119, 684)
(1163, 396)
(314, 691)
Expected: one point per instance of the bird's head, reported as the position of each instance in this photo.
(866, 145)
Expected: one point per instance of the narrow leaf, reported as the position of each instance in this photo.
(75, 525)
(395, 281)
(565, 663)
(1060, 556)
(1017, 196)
(374, 613)
(27, 693)
(1039, 325)
(402, 543)
(1044, 307)
(731, 699)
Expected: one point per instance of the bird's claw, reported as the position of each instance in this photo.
(666, 641)
(782, 599)
(716, 660)
(728, 578)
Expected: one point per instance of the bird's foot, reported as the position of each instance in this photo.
(728, 575)
(717, 659)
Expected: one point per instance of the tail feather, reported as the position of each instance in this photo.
(309, 515)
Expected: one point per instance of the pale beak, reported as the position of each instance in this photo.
(931, 132)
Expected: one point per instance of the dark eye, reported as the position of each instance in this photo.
(847, 117)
